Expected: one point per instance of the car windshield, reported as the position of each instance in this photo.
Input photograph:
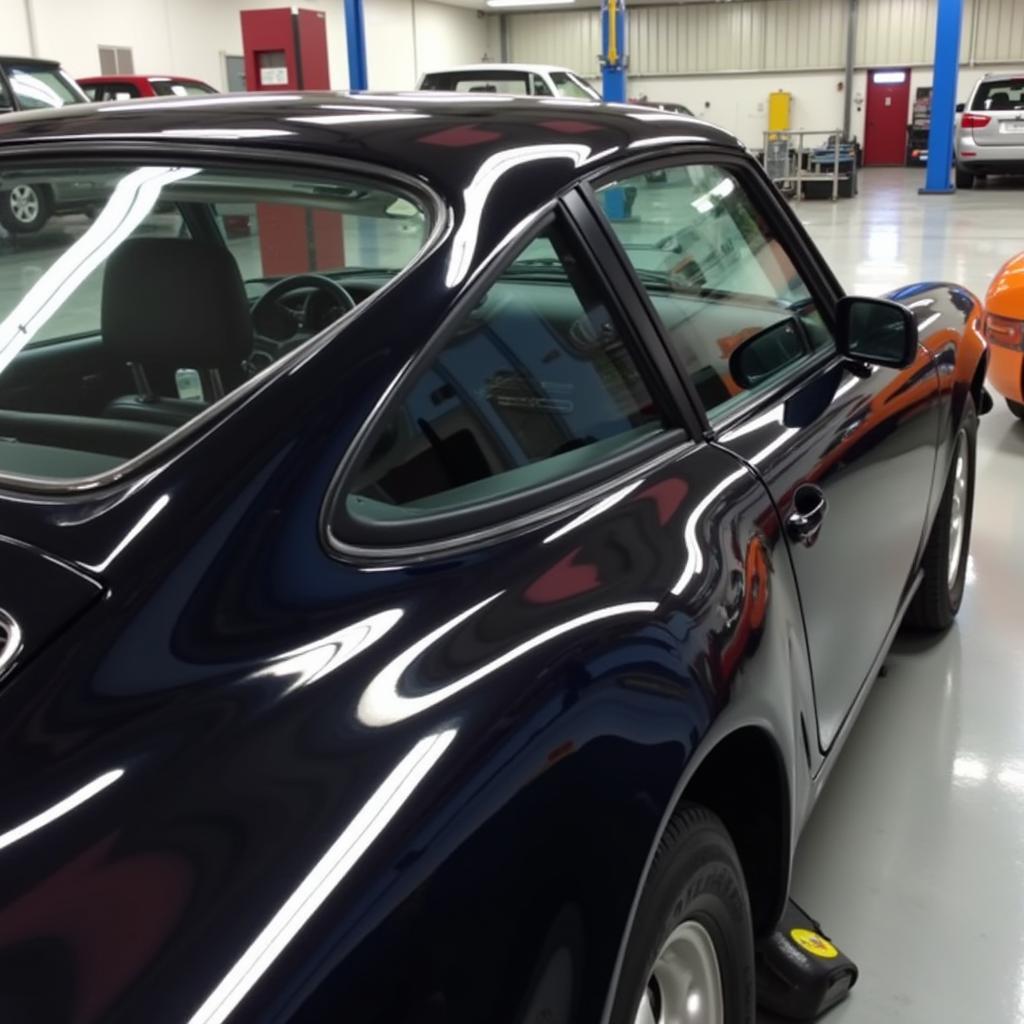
(570, 86)
(163, 288)
(1000, 94)
(41, 88)
(175, 87)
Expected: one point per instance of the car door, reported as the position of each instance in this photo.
(848, 452)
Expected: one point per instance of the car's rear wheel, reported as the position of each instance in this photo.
(964, 179)
(945, 558)
(25, 208)
(1016, 408)
(690, 955)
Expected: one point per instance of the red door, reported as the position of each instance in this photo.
(885, 129)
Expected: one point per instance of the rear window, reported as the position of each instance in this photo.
(154, 291)
(999, 94)
(173, 87)
(513, 83)
(42, 88)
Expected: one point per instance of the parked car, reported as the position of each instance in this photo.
(990, 129)
(442, 603)
(27, 83)
(105, 88)
(514, 79)
(1004, 330)
(669, 108)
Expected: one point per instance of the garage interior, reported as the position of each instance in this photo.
(913, 856)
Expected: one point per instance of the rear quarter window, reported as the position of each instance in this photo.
(165, 290)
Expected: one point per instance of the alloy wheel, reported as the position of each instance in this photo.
(25, 204)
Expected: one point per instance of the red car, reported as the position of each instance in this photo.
(133, 87)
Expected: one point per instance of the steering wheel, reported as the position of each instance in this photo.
(279, 325)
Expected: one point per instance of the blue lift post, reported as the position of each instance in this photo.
(947, 67)
(355, 37)
(614, 60)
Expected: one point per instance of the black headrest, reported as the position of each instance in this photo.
(1000, 101)
(175, 302)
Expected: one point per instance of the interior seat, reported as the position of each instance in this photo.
(170, 304)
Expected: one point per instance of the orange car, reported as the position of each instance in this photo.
(1004, 330)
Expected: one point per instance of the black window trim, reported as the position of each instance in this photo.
(447, 533)
(825, 290)
(244, 158)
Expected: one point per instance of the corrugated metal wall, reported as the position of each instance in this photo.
(569, 38)
(768, 35)
(1000, 31)
(896, 32)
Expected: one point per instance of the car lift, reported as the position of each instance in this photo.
(800, 973)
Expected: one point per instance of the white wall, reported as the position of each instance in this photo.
(15, 28)
(190, 37)
(405, 38)
(447, 35)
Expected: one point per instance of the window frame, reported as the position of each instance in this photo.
(238, 158)
(821, 283)
(447, 532)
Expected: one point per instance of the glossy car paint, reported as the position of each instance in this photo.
(1005, 298)
(258, 780)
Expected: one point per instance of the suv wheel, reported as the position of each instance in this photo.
(964, 179)
(25, 208)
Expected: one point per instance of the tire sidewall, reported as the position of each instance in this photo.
(969, 430)
(699, 880)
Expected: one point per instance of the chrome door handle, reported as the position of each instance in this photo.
(810, 507)
(10, 640)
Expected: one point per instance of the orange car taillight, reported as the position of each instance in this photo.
(1001, 330)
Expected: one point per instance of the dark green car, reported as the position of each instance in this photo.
(27, 83)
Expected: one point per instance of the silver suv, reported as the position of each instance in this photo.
(990, 130)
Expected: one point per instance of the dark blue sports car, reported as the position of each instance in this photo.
(429, 595)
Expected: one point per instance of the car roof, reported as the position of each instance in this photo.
(999, 76)
(34, 62)
(449, 141)
(489, 66)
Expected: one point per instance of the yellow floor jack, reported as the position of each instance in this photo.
(801, 973)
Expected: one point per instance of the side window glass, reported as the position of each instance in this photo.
(536, 383)
(539, 86)
(736, 310)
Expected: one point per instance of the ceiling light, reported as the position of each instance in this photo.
(529, 3)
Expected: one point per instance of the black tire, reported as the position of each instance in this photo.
(695, 877)
(964, 179)
(1016, 408)
(938, 598)
(25, 208)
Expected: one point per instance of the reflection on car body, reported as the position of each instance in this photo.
(409, 565)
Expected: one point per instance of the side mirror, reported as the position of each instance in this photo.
(960, 107)
(876, 331)
(761, 356)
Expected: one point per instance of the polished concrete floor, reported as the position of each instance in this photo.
(913, 859)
